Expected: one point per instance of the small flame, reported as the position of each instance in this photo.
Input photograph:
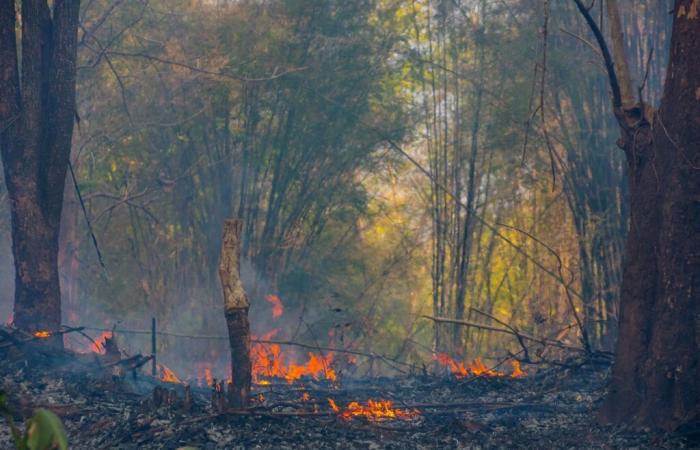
(316, 366)
(99, 344)
(305, 397)
(168, 375)
(268, 361)
(277, 306)
(42, 334)
(374, 410)
(517, 371)
(477, 368)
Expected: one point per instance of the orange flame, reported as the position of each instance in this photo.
(477, 368)
(277, 306)
(204, 374)
(168, 375)
(374, 410)
(517, 371)
(269, 362)
(99, 344)
(42, 334)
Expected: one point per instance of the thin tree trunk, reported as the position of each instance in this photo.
(236, 309)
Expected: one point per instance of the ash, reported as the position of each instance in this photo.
(552, 409)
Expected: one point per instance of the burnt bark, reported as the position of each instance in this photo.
(236, 306)
(37, 109)
(656, 376)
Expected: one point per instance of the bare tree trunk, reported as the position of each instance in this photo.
(236, 309)
(37, 109)
(655, 380)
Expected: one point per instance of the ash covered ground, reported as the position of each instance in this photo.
(554, 409)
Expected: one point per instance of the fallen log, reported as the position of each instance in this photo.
(236, 306)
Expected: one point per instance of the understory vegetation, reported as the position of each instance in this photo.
(391, 159)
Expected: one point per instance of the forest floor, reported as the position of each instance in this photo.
(554, 409)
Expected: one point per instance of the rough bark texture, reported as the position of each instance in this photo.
(656, 377)
(37, 109)
(236, 309)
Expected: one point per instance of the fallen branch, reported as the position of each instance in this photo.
(545, 342)
(14, 342)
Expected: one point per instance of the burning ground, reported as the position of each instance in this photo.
(118, 406)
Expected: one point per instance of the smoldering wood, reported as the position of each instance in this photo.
(236, 306)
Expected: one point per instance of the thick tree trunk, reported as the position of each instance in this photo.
(37, 109)
(656, 377)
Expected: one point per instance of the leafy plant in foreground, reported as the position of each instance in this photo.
(44, 430)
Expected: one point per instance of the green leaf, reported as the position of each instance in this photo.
(45, 431)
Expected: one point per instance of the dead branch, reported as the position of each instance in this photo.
(546, 342)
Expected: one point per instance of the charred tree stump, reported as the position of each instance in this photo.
(236, 309)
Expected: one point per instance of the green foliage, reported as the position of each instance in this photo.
(44, 430)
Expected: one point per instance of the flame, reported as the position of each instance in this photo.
(374, 410)
(277, 306)
(204, 374)
(305, 397)
(456, 368)
(517, 371)
(269, 362)
(42, 334)
(477, 368)
(316, 366)
(168, 375)
(99, 344)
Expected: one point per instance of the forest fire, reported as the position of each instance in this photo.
(374, 410)
(477, 368)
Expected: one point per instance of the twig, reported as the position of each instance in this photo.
(85, 214)
(515, 331)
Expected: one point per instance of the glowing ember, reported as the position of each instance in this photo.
(477, 368)
(168, 375)
(42, 334)
(374, 410)
(277, 306)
